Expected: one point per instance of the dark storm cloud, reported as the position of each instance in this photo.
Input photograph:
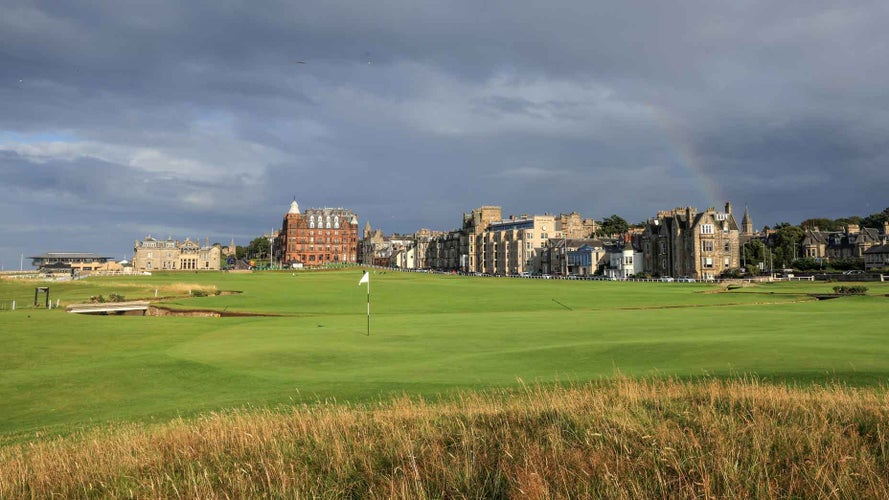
(206, 118)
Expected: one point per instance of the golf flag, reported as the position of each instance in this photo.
(366, 279)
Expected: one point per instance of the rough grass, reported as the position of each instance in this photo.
(622, 438)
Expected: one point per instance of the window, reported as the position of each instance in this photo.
(706, 228)
(707, 245)
(726, 262)
(708, 262)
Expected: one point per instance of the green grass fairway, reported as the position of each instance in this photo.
(429, 334)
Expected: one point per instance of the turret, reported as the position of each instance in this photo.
(746, 222)
(294, 207)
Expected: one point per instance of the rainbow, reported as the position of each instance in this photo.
(686, 156)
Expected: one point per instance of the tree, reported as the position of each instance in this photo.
(821, 223)
(612, 225)
(845, 221)
(258, 248)
(807, 264)
(753, 254)
(785, 244)
(876, 220)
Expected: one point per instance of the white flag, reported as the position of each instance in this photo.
(365, 279)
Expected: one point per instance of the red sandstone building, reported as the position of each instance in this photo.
(317, 237)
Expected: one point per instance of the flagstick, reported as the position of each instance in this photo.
(368, 308)
(366, 279)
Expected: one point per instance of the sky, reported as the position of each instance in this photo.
(205, 119)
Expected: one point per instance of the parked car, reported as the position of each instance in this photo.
(666, 279)
(685, 279)
(853, 272)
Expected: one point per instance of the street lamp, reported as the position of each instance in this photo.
(271, 249)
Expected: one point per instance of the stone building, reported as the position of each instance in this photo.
(152, 254)
(371, 245)
(851, 243)
(576, 256)
(444, 250)
(488, 243)
(625, 259)
(317, 237)
(685, 242)
(747, 225)
(517, 245)
(403, 251)
(574, 226)
(470, 258)
(877, 257)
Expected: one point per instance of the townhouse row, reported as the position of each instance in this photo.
(679, 242)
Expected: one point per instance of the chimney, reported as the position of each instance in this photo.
(852, 229)
(728, 207)
(886, 228)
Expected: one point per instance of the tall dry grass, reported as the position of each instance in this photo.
(617, 439)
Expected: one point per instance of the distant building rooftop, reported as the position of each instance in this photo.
(67, 257)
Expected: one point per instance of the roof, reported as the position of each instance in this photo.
(69, 255)
(878, 249)
(746, 220)
(294, 207)
(813, 236)
(869, 234)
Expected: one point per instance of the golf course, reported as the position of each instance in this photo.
(292, 338)
(275, 385)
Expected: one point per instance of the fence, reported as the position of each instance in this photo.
(575, 277)
(7, 305)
